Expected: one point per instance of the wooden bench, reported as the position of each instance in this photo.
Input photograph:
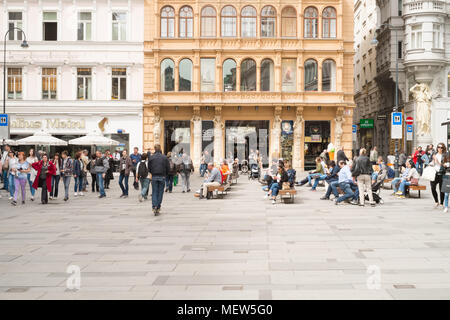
(388, 181)
(287, 196)
(220, 191)
(417, 188)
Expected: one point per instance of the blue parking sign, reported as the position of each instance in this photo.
(3, 120)
(409, 128)
(397, 118)
(354, 128)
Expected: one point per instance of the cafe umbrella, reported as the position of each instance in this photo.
(94, 138)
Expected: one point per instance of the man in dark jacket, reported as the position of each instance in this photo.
(362, 170)
(158, 166)
(332, 180)
(340, 156)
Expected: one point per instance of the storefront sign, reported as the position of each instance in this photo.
(55, 123)
(366, 123)
(316, 138)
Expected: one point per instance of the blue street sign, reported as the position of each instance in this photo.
(396, 118)
(354, 128)
(3, 120)
(409, 128)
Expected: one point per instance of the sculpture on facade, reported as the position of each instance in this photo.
(156, 125)
(298, 132)
(197, 122)
(338, 131)
(422, 96)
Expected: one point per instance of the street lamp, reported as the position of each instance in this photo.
(374, 42)
(24, 44)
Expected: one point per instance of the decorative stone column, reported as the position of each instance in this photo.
(276, 134)
(156, 125)
(422, 100)
(298, 134)
(218, 134)
(338, 131)
(197, 122)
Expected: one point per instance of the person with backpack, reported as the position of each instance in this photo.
(158, 165)
(125, 167)
(362, 171)
(172, 172)
(185, 169)
(66, 171)
(101, 167)
(142, 177)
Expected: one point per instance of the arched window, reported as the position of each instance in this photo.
(167, 22)
(311, 22)
(268, 22)
(208, 25)
(248, 22)
(229, 75)
(248, 75)
(329, 22)
(228, 21)
(310, 70)
(267, 75)
(167, 76)
(329, 75)
(185, 75)
(186, 22)
(289, 22)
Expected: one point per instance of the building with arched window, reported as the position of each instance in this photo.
(227, 79)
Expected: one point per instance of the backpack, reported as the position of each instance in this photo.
(390, 173)
(143, 170)
(172, 168)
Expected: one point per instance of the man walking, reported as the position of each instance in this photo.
(85, 160)
(135, 159)
(66, 173)
(362, 171)
(158, 166)
(125, 166)
(101, 166)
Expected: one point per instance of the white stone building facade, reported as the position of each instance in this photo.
(82, 71)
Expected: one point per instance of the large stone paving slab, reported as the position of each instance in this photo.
(239, 247)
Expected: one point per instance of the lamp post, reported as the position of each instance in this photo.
(24, 44)
(374, 42)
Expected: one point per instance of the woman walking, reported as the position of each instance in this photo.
(109, 173)
(56, 177)
(77, 174)
(32, 174)
(45, 169)
(91, 168)
(11, 160)
(437, 163)
(171, 174)
(125, 167)
(21, 169)
(185, 169)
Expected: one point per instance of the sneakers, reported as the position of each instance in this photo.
(141, 198)
(32, 199)
(445, 210)
(10, 198)
(324, 198)
(81, 194)
(65, 199)
(51, 198)
(14, 203)
(122, 195)
(436, 206)
(336, 202)
(398, 193)
(401, 196)
(125, 196)
(273, 201)
(75, 194)
(101, 196)
(354, 202)
(266, 196)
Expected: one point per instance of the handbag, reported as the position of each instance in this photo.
(429, 173)
(445, 184)
(286, 186)
(414, 181)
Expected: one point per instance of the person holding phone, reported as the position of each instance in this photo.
(20, 171)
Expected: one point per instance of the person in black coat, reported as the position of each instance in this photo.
(109, 173)
(340, 156)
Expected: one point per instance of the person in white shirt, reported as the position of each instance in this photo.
(31, 176)
(11, 160)
(5, 152)
(437, 164)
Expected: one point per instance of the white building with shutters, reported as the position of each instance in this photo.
(82, 71)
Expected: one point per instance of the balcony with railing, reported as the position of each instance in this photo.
(421, 6)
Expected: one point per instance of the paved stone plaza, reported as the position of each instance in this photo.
(239, 247)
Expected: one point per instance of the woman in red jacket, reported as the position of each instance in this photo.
(45, 170)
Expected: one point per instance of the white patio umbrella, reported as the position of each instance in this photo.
(8, 142)
(94, 138)
(42, 138)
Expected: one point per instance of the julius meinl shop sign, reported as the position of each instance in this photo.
(49, 123)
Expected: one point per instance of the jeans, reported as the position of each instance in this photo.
(374, 176)
(446, 200)
(101, 183)
(5, 179)
(94, 183)
(185, 183)
(275, 187)
(11, 186)
(123, 187)
(78, 184)
(347, 187)
(419, 167)
(157, 191)
(332, 188)
(169, 183)
(317, 179)
(394, 183)
(20, 184)
(203, 168)
(32, 190)
(145, 183)
(44, 191)
(403, 186)
(55, 186)
(66, 182)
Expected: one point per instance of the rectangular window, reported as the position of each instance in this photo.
(119, 26)
(119, 84)
(437, 36)
(84, 26)
(208, 74)
(416, 37)
(84, 83)
(50, 26)
(49, 83)
(14, 83)
(15, 21)
(289, 78)
(400, 49)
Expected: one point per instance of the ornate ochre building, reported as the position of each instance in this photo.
(233, 77)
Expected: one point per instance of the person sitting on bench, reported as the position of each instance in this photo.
(412, 178)
(332, 180)
(313, 174)
(277, 184)
(214, 180)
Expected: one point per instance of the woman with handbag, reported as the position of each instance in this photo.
(45, 170)
(412, 178)
(436, 163)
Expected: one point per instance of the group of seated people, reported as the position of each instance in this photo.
(215, 177)
(280, 177)
(409, 176)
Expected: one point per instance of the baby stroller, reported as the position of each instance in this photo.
(376, 187)
(244, 166)
(254, 172)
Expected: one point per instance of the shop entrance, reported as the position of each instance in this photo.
(177, 137)
(245, 138)
(317, 138)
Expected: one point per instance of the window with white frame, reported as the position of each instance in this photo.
(49, 83)
(15, 21)
(416, 36)
(119, 26)
(84, 26)
(15, 83)
(437, 36)
(119, 84)
(50, 26)
(84, 83)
